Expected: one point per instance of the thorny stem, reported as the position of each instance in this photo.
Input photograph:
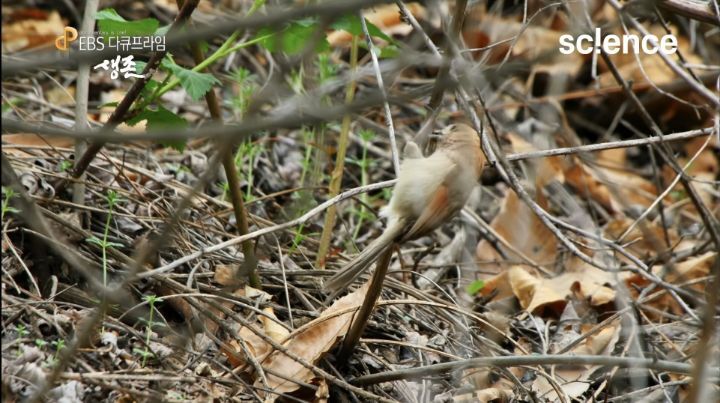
(81, 96)
(337, 174)
(104, 243)
(249, 267)
(373, 293)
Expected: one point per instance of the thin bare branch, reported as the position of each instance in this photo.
(532, 360)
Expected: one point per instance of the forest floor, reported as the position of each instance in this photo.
(185, 258)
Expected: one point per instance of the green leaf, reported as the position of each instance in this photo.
(161, 119)
(474, 287)
(196, 84)
(142, 352)
(109, 104)
(353, 25)
(293, 38)
(162, 31)
(256, 5)
(140, 66)
(94, 240)
(111, 23)
(389, 52)
(149, 89)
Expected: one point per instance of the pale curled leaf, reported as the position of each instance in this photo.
(486, 395)
(574, 381)
(272, 328)
(309, 343)
(523, 235)
(535, 293)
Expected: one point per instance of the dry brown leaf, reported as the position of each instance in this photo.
(534, 42)
(32, 29)
(603, 295)
(644, 240)
(585, 183)
(61, 96)
(486, 395)
(309, 342)
(638, 68)
(36, 140)
(272, 328)
(517, 224)
(680, 273)
(535, 293)
(524, 285)
(575, 380)
(225, 275)
(630, 188)
(497, 286)
(256, 345)
(688, 270)
(323, 392)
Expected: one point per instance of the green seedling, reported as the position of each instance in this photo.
(247, 88)
(145, 353)
(364, 163)
(65, 165)
(6, 208)
(250, 150)
(112, 199)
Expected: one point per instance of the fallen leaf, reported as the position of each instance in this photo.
(486, 395)
(309, 343)
(517, 224)
(272, 328)
(20, 140)
(644, 240)
(31, 30)
(678, 274)
(225, 275)
(641, 67)
(535, 293)
(575, 380)
(613, 188)
(323, 392)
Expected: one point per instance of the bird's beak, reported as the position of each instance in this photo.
(436, 135)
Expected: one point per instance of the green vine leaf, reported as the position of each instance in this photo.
(196, 84)
(111, 23)
(293, 38)
(162, 119)
(353, 25)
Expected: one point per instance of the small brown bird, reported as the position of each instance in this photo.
(429, 192)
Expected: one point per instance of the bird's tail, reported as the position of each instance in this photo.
(342, 279)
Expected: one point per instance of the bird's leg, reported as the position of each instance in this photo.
(363, 315)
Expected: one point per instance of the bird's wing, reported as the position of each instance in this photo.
(435, 212)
